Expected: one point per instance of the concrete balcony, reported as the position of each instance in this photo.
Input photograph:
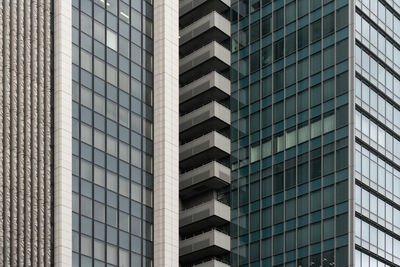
(212, 27)
(208, 177)
(212, 86)
(210, 117)
(212, 263)
(211, 57)
(209, 214)
(192, 10)
(205, 245)
(209, 147)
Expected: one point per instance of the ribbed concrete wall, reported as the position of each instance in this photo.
(25, 133)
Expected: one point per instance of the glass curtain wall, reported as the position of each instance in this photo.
(290, 110)
(112, 109)
(377, 121)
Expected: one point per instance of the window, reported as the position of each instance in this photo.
(302, 7)
(148, 197)
(290, 240)
(266, 25)
(86, 246)
(328, 228)
(341, 116)
(254, 62)
(112, 146)
(302, 173)
(112, 40)
(342, 83)
(302, 236)
(112, 254)
(329, 163)
(303, 36)
(99, 32)
(266, 149)
(254, 31)
(329, 123)
(315, 63)
(329, 56)
(315, 95)
(278, 19)
(278, 49)
(329, 23)
(112, 76)
(86, 134)
(303, 134)
(99, 68)
(315, 201)
(329, 89)
(86, 24)
(341, 224)
(302, 205)
(315, 232)
(136, 192)
(302, 69)
(278, 213)
(341, 158)
(278, 111)
(279, 144)
(290, 75)
(290, 12)
(86, 61)
(341, 191)
(315, 31)
(316, 128)
(290, 43)
(342, 17)
(328, 196)
(266, 55)
(136, 158)
(290, 106)
(290, 138)
(315, 168)
(302, 101)
(99, 250)
(254, 153)
(341, 50)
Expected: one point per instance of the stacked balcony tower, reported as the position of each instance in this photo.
(204, 125)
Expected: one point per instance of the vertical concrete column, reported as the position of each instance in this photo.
(62, 133)
(166, 133)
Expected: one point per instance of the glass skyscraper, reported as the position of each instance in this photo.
(112, 145)
(315, 143)
(376, 133)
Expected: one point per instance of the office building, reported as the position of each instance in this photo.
(89, 133)
(315, 144)
(204, 130)
(200, 133)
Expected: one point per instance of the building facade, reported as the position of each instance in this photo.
(376, 81)
(89, 133)
(112, 133)
(200, 133)
(125, 140)
(204, 125)
(314, 145)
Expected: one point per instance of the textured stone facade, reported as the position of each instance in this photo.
(25, 133)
